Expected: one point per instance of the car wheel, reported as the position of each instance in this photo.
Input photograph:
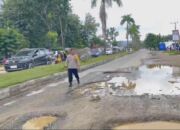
(48, 62)
(30, 65)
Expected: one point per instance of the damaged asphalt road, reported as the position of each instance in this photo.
(81, 109)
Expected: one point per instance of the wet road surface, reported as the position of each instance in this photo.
(75, 109)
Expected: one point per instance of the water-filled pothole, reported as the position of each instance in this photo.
(149, 79)
(39, 123)
(160, 125)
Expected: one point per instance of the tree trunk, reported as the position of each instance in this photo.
(62, 34)
(127, 35)
(103, 21)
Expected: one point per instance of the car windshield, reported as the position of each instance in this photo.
(25, 53)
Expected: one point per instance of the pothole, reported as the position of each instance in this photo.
(39, 123)
(160, 125)
(147, 79)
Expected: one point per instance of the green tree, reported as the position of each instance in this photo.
(128, 20)
(166, 38)
(11, 41)
(90, 27)
(35, 18)
(80, 34)
(103, 14)
(52, 39)
(152, 41)
(48, 23)
(74, 32)
(112, 34)
(97, 41)
(134, 32)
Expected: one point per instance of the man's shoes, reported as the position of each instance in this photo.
(70, 85)
(78, 82)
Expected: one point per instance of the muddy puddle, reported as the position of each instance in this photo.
(150, 126)
(147, 79)
(39, 123)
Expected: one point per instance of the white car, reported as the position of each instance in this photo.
(109, 51)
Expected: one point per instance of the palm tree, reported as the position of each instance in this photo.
(128, 20)
(134, 32)
(112, 33)
(135, 36)
(103, 14)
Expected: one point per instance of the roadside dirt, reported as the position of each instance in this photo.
(105, 106)
(166, 59)
(2, 71)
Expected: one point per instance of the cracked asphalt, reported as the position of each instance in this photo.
(80, 112)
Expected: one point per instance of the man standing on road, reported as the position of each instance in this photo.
(73, 64)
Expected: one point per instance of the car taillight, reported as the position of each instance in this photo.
(6, 62)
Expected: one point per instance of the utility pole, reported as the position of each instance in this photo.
(175, 36)
(175, 24)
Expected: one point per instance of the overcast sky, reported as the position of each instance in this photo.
(153, 16)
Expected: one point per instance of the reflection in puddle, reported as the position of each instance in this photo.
(151, 66)
(39, 123)
(155, 80)
(151, 126)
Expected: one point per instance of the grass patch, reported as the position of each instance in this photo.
(173, 52)
(14, 78)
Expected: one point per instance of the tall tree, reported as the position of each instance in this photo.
(152, 41)
(35, 18)
(134, 32)
(112, 34)
(74, 32)
(10, 41)
(90, 27)
(135, 36)
(128, 20)
(103, 14)
(52, 38)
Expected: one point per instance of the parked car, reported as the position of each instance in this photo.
(129, 50)
(95, 52)
(117, 49)
(109, 51)
(28, 58)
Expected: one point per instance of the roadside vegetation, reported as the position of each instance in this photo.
(152, 40)
(173, 52)
(14, 78)
(53, 25)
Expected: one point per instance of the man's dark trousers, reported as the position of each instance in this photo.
(70, 75)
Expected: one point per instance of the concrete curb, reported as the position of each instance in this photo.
(19, 88)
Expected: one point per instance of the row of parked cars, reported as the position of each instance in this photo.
(95, 52)
(28, 58)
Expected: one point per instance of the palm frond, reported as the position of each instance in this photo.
(128, 19)
(108, 3)
(93, 3)
(122, 21)
(119, 2)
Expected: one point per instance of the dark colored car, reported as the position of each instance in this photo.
(28, 58)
